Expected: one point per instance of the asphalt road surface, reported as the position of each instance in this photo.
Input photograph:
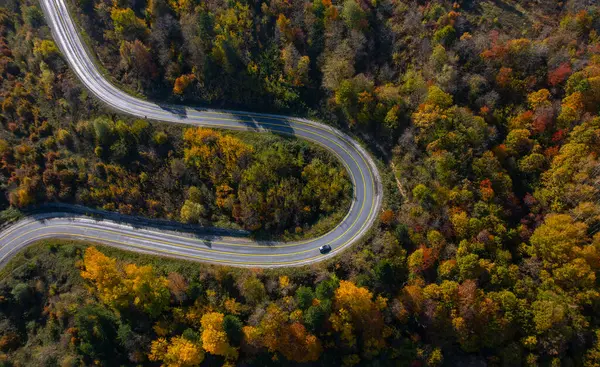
(367, 190)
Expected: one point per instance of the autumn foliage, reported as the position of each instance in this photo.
(128, 286)
(486, 248)
(177, 352)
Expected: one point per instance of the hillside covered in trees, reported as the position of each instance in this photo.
(487, 252)
(58, 145)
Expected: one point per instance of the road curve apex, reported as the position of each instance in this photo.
(210, 246)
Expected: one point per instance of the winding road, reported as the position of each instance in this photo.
(222, 249)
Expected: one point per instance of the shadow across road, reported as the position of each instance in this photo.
(178, 110)
(208, 234)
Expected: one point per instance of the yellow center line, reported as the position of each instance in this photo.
(102, 240)
(158, 241)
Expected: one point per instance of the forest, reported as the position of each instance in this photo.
(484, 116)
(57, 145)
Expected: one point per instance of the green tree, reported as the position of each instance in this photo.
(315, 317)
(22, 294)
(304, 297)
(96, 331)
(326, 288)
(233, 327)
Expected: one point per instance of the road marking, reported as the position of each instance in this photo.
(158, 241)
(161, 250)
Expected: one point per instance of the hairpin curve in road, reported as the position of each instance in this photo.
(367, 187)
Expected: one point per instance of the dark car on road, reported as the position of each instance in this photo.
(325, 249)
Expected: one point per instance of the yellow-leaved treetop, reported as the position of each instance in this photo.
(179, 352)
(216, 155)
(149, 292)
(539, 99)
(355, 310)
(102, 271)
(214, 337)
(133, 285)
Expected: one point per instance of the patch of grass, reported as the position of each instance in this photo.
(502, 15)
(54, 254)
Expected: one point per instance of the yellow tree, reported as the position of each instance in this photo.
(216, 155)
(214, 337)
(571, 109)
(573, 174)
(150, 292)
(558, 240)
(271, 326)
(120, 288)
(127, 25)
(357, 311)
(103, 272)
(539, 99)
(179, 352)
(433, 109)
